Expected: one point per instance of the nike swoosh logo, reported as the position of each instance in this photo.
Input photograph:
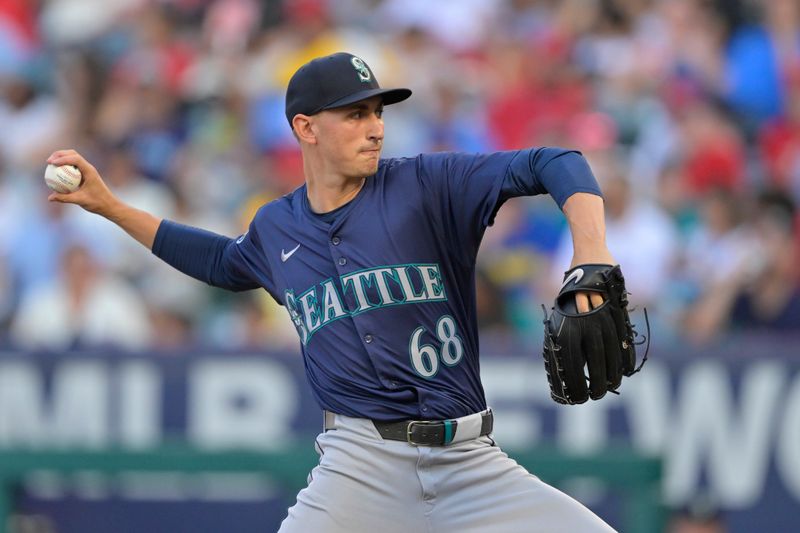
(285, 256)
(576, 276)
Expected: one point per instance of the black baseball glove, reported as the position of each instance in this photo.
(602, 339)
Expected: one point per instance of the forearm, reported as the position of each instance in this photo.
(586, 217)
(139, 224)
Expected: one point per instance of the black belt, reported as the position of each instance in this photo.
(434, 432)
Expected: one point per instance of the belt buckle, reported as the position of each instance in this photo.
(410, 429)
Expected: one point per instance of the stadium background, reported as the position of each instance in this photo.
(688, 111)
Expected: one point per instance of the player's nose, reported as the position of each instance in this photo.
(375, 130)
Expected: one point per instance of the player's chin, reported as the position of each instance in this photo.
(370, 164)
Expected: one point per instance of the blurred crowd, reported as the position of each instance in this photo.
(687, 110)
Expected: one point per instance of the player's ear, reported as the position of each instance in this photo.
(302, 125)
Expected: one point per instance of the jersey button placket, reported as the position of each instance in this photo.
(342, 261)
(336, 240)
(368, 338)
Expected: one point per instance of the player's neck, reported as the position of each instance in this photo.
(325, 195)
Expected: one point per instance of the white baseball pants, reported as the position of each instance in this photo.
(365, 484)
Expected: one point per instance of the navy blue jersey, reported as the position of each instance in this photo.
(383, 296)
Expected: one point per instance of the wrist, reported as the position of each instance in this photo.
(596, 254)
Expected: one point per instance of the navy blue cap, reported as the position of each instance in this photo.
(334, 81)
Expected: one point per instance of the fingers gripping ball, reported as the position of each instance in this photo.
(63, 179)
(601, 341)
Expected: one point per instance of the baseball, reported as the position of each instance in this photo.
(63, 179)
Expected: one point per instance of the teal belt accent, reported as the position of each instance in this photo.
(448, 431)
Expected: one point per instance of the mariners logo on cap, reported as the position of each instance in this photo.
(361, 68)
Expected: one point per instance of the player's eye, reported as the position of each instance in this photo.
(379, 113)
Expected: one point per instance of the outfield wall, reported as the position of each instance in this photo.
(725, 420)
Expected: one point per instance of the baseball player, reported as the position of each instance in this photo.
(374, 260)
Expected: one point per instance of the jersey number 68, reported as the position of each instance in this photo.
(425, 358)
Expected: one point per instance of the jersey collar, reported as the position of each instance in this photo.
(311, 217)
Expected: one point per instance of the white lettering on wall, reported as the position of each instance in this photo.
(708, 429)
(701, 427)
(240, 403)
(139, 420)
(509, 384)
(21, 405)
(76, 415)
(648, 401)
(787, 453)
(584, 429)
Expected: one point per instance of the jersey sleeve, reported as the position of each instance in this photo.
(220, 261)
(466, 190)
(246, 258)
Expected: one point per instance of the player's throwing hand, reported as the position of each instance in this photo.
(93, 195)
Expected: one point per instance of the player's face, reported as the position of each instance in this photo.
(350, 138)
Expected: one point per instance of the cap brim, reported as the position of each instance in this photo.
(390, 96)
